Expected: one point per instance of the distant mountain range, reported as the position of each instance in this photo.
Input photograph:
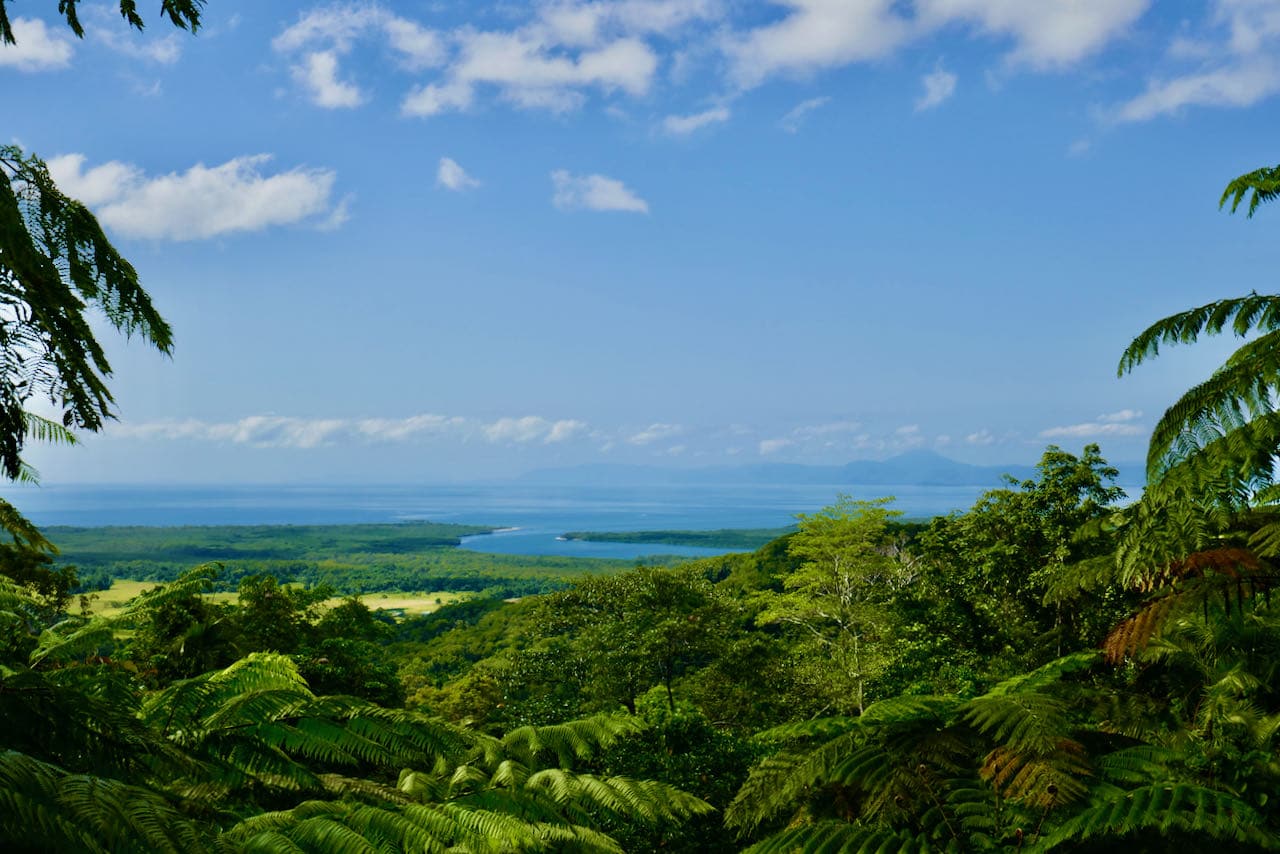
(915, 468)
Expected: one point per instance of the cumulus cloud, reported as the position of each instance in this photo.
(558, 54)
(685, 125)
(451, 176)
(773, 446)
(432, 99)
(320, 37)
(594, 193)
(816, 34)
(37, 49)
(1232, 65)
(939, 85)
(318, 75)
(795, 117)
(654, 433)
(563, 50)
(202, 202)
(532, 428)
(1046, 33)
(819, 34)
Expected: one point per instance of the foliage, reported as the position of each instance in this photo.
(184, 14)
(724, 538)
(55, 262)
(838, 596)
(997, 572)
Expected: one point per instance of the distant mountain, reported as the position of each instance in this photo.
(916, 468)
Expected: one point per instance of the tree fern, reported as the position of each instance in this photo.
(833, 837)
(1164, 808)
(44, 808)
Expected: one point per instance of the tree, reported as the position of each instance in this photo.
(838, 595)
(1207, 529)
(991, 568)
(184, 14)
(55, 263)
(650, 626)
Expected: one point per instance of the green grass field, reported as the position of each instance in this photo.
(402, 604)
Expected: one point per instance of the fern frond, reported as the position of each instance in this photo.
(1164, 807)
(43, 807)
(568, 742)
(834, 837)
(1242, 314)
(1260, 185)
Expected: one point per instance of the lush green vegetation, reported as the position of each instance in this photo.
(740, 539)
(350, 559)
(1051, 670)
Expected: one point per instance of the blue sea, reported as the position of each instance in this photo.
(533, 516)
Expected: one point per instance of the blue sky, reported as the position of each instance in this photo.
(428, 241)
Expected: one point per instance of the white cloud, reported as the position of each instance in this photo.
(816, 34)
(1046, 33)
(37, 49)
(594, 193)
(1122, 415)
(451, 176)
(1235, 86)
(561, 51)
(564, 430)
(531, 73)
(980, 437)
(403, 429)
(684, 125)
(571, 22)
(318, 75)
(280, 431)
(94, 187)
(135, 45)
(773, 446)
(432, 99)
(325, 34)
(1091, 429)
(532, 428)
(796, 115)
(201, 202)
(654, 433)
(939, 85)
(417, 46)
(1232, 65)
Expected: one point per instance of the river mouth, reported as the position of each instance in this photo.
(519, 540)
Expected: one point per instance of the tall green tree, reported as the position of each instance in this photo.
(838, 597)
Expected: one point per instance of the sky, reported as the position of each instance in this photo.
(438, 241)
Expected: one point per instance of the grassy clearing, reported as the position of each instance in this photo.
(408, 604)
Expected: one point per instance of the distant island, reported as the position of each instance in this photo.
(915, 468)
(746, 539)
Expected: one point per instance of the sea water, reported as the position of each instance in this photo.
(532, 516)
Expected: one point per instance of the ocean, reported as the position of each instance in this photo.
(534, 516)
